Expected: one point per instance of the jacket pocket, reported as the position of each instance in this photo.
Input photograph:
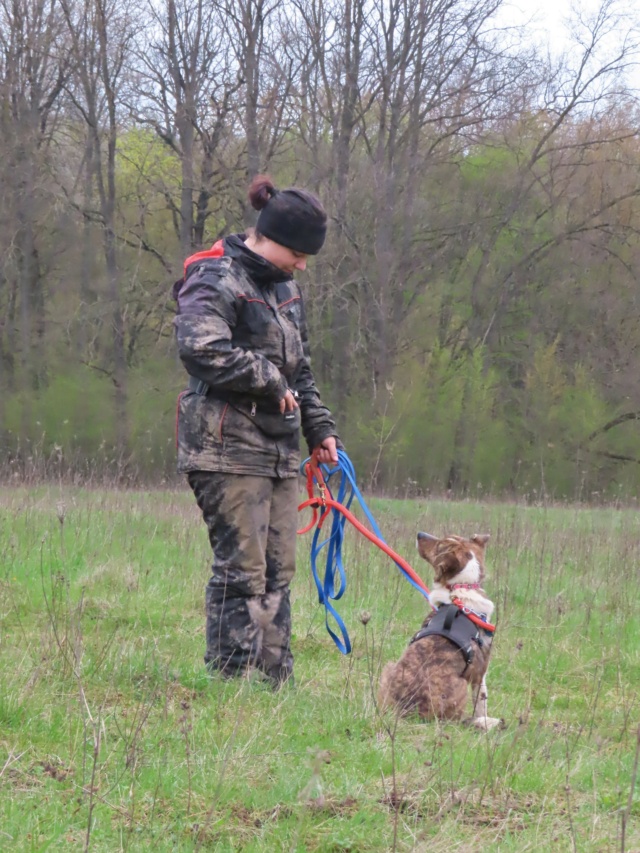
(200, 424)
(271, 424)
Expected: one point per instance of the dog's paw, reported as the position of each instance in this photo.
(485, 724)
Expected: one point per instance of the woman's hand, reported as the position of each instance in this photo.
(327, 451)
(288, 402)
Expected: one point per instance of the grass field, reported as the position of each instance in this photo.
(112, 737)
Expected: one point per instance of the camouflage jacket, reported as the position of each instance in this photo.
(241, 332)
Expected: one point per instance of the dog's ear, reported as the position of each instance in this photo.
(426, 545)
(480, 539)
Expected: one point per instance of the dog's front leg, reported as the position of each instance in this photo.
(480, 698)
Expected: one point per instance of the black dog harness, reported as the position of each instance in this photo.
(451, 622)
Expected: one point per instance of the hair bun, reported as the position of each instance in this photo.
(260, 191)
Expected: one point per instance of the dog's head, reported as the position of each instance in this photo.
(454, 559)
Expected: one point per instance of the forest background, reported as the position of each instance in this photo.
(474, 313)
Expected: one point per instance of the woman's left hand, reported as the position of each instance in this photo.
(327, 451)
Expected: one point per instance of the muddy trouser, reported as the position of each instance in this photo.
(252, 530)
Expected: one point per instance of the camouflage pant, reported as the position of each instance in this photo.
(252, 530)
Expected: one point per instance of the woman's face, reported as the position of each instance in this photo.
(280, 256)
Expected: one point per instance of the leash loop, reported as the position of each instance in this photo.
(332, 585)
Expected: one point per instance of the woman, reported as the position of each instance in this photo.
(242, 338)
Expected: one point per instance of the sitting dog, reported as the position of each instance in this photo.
(451, 650)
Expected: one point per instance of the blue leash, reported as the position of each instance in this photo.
(334, 567)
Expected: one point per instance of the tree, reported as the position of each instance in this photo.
(101, 33)
(34, 66)
(188, 85)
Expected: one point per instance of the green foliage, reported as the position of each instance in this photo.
(142, 155)
(470, 334)
(75, 428)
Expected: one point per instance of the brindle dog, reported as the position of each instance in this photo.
(432, 678)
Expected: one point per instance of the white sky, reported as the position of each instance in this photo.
(547, 21)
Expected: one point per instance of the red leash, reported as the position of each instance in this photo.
(326, 503)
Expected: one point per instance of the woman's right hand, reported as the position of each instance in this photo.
(288, 402)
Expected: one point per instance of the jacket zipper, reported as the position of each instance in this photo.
(276, 313)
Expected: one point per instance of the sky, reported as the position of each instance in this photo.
(545, 18)
(547, 22)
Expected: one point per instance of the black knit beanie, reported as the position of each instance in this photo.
(294, 218)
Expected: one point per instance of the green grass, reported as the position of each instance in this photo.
(112, 737)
